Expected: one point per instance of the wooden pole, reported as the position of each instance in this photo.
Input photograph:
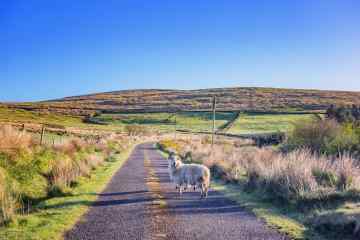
(42, 134)
(175, 127)
(214, 119)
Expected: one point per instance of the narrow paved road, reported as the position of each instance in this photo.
(141, 203)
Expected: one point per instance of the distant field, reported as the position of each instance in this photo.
(192, 121)
(266, 123)
(21, 116)
(29, 117)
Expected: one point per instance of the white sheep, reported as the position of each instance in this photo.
(189, 174)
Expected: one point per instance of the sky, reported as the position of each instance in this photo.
(58, 48)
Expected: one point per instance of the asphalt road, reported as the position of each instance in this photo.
(140, 202)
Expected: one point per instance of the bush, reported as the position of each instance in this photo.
(136, 130)
(169, 146)
(314, 134)
(324, 137)
(347, 141)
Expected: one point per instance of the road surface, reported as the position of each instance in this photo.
(140, 202)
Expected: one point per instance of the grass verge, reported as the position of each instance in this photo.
(282, 219)
(55, 216)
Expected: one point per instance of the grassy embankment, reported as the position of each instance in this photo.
(57, 215)
(45, 189)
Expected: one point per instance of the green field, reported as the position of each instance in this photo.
(266, 123)
(20, 116)
(192, 121)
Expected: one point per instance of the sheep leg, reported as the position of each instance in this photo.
(206, 191)
(180, 190)
(203, 190)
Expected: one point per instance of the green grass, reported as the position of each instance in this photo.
(339, 219)
(283, 219)
(331, 221)
(24, 116)
(20, 116)
(192, 121)
(54, 216)
(266, 123)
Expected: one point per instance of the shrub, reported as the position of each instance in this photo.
(314, 135)
(136, 130)
(324, 137)
(346, 141)
(169, 145)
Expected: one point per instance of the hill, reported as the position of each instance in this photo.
(228, 99)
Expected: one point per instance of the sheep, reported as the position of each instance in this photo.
(189, 174)
(173, 157)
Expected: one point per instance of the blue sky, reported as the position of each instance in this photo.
(57, 48)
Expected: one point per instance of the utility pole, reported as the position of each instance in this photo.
(214, 119)
(175, 126)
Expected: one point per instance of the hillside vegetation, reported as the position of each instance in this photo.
(228, 99)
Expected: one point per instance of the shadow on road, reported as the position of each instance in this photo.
(190, 202)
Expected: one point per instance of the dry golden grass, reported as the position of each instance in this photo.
(30, 172)
(293, 176)
(13, 140)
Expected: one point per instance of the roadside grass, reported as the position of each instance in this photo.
(190, 121)
(53, 217)
(266, 123)
(283, 219)
(321, 215)
(321, 223)
(274, 217)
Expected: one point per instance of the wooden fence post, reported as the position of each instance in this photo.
(42, 134)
